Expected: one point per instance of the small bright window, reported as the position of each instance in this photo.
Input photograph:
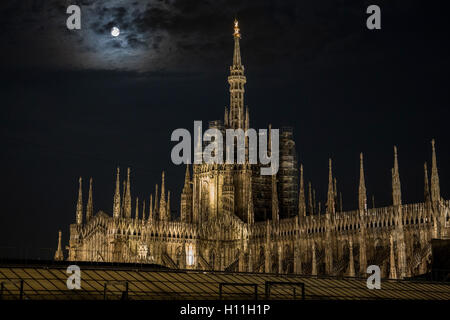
(190, 256)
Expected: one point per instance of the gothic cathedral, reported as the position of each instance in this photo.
(234, 219)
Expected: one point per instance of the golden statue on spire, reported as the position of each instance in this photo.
(236, 29)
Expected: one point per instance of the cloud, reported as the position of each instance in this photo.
(165, 35)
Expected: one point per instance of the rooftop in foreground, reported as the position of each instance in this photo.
(46, 280)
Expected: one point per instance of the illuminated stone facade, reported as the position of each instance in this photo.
(232, 218)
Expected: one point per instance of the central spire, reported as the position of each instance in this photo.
(237, 64)
(237, 81)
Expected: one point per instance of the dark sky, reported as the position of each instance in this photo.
(82, 102)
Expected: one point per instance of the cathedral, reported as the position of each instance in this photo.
(232, 218)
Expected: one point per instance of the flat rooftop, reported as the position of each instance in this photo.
(47, 280)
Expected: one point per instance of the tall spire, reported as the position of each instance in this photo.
(136, 216)
(143, 211)
(186, 198)
(79, 214)
(275, 208)
(301, 195)
(310, 200)
(427, 196)
(122, 208)
(362, 194)
(435, 189)
(163, 187)
(330, 196)
(90, 204)
(314, 202)
(237, 63)
(336, 200)
(162, 201)
(187, 178)
(168, 206)
(116, 203)
(128, 196)
(362, 206)
(59, 256)
(155, 208)
(150, 205)
(396, 189)
(237, 81)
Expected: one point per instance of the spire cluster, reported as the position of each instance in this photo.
(334, 201)
(122, 202)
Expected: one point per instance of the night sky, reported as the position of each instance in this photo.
(80, 102)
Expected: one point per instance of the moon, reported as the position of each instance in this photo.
(115, 31)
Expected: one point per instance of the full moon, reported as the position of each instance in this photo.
(115, 31)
